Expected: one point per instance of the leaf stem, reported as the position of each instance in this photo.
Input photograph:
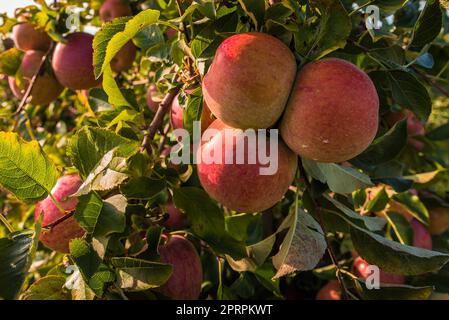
(6, 223)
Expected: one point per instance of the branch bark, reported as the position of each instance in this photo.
(33, 80)
(158, 119)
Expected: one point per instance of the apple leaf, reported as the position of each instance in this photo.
(89, 145)
(303, 246)
(17, 252)
(394, 257)
(340, 179)
(428, 26)
(94, 272)
(136, 274)
(108, 42)
(207, 221)
(393, 292)
(10, 61)
(25, 169)
(47, 288)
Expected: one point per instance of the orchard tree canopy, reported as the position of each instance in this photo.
(224, 149)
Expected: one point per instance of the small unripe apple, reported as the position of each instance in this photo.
(60, 235)
(331, 291)
(422, 238)
(187, 276)
(27, 37)
(152, 103)
(171, 33)
(124, 59)
(249, 80)
(360, 266)
(242, 187)
(46, 88)
(112, 9)
(73, 62)
(332, 113)
(176, 218)
(439, 220)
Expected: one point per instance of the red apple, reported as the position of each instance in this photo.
(73, 62)
(151, 101)
(112, 9)
(187, 276)
(124, 59)
(361, 268)
(242, 187)
(331, 291)
(59, 236)
(176, 218)
(422, 238)
(27, 37)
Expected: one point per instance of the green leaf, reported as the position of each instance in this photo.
(142, 188)
(393, 257)
(94, 272)
(334, 29)
(303, 246)
(428, 26)
(25, 169)
(136, 274)
(207, 221)
(413, 205)
(88, 210)
(393, 292)
(409, 93)
(17, 252)
(379, 202)
(193, 110)
(237, 225)
(390, 5)
(10, 61)
(255, 9)
(370, 223)
(47, 288)
(340, 179)
(386, 147)
(401, 227)
(148, 37)
(108, 42)
(90, 145)
(439, 133)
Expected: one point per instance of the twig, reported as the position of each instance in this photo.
(33, 80)
(158, 119)
(329, 246)
(183, 26)
(60, 220)
(430, 81)
(163, 138)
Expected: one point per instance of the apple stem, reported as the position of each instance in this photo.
(330, 251)
(6, 223)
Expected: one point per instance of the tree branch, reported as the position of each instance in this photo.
(33, 80)
(183, 26)
(158, 119)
